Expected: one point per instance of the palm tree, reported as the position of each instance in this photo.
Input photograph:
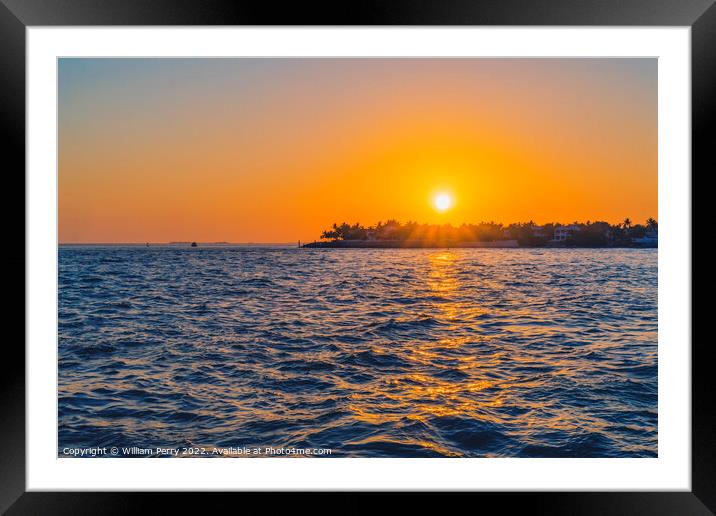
(627, 223)
(329, 235)
(651, 224)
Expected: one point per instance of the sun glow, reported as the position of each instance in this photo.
(442, 202)
(429, 140)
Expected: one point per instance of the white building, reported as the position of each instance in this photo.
(650, 239)
(562, 233)
(538, 231)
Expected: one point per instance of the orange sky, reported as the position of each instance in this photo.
(276, 150)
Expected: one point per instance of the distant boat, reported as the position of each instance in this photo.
(193, 244)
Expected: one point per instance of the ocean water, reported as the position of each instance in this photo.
(366, 353)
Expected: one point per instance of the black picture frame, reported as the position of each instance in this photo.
(17, 15)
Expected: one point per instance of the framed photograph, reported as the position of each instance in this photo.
(444, 247)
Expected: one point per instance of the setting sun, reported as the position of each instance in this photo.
(358, 140)
(443, 202)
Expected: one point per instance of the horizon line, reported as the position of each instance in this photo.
(294, 242)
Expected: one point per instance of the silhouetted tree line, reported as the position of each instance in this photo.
(528, 234)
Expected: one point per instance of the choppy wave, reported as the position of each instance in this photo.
(370, 353)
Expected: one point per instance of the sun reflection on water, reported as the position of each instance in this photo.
(451, 352)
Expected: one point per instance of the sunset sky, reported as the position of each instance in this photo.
(276, 150)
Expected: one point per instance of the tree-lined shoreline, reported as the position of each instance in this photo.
(490, 234)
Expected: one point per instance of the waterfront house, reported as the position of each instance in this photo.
(650, 238)
(562, 233)
(539, 231)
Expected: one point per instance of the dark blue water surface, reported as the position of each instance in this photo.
(368, 353)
